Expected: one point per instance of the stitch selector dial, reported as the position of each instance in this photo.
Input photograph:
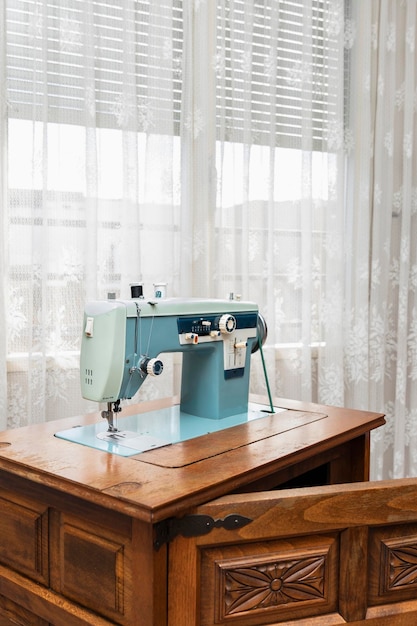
(227, 323)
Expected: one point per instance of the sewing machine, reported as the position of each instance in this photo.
(122, 344)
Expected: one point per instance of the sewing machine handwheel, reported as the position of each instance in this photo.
(262, 333)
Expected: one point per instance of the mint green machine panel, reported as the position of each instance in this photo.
(102, 351)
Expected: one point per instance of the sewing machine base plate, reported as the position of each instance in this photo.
(155, 429)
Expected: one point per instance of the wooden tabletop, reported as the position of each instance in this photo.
(164, 482)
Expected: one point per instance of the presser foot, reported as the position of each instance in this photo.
(109, 415)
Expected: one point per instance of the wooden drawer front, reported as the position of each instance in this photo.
(24, 537)
(92, 566)
(12, 614)
(270, 581)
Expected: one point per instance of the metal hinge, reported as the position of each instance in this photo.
(194, 526)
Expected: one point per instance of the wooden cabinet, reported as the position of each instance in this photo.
(316, 556)
(201, 532)
(65, 561)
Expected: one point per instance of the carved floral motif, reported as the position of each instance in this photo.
(402, 566)
(274, 584)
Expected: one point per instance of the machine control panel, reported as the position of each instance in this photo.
(233, 330)
(212, 326)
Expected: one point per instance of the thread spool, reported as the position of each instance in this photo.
(160, 290)
(136, 290)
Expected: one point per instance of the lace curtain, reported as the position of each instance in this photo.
(254, 147)
(381, 340)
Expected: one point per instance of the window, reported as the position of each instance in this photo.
(273, 90)
(87, 74)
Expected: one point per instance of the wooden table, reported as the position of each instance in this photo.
(88, 537)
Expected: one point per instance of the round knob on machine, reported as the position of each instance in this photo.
(154, 367)
(227, 323)
(192, 337)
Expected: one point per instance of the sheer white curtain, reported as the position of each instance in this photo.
(3, 226)
(280, 216)
(247, 146)
(381, 342)
(93, 181)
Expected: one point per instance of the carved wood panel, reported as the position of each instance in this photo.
(393, 564)
(269, 581)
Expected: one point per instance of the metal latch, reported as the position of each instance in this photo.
(195, 526)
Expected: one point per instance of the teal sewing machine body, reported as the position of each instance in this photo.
(123, 343)
(122, 340)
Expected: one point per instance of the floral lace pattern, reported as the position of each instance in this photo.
(172, 155)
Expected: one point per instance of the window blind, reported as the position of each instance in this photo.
(276, 82)
(273, 74)
(57, 71)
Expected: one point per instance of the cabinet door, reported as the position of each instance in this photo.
(317, 556)
(24, 535)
